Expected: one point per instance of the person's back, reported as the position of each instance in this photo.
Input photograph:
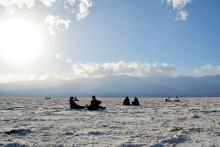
(135, 102)
(95, 104)
(126, 101)
(177, 99)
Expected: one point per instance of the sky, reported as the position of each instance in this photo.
(65, 39)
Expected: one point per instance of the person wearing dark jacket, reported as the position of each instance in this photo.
(135, 102)
(126, 101)
(73, 104)
(95, 104)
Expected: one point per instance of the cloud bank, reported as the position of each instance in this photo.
(179, 6)
(207, 70)
(113, 69)
(124, 68)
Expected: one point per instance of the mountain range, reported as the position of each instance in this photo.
(116, 86)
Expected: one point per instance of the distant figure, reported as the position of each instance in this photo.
(135, 102)
(74, 105)
(75, 99)
(126, 101)
(95, 104)
(47, 98)
(167, 99)
(177, 99)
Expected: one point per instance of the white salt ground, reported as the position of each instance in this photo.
(39, 122)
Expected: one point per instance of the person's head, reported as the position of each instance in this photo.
(93, 97)
(71, 98)
(126, 97)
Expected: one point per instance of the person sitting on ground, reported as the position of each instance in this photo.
(73, 104)
(135, 102)
(126, 101)
(167, 99)
(47, 98)
(177, 99)
(95, 104)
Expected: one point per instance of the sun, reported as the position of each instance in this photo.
(20, 41)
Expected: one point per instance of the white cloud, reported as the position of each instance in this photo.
(83, 11)
(99, 70)
(55, 23)
(180, 7)
(80, 8)
(123, 68)
(178, 4)
(182, 15)
(11, 5)
(68, 4)
(207, 70)
(48, 3)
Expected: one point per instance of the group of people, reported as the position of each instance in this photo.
(94, 104)
(127, 101)
(169, 100)
(47, 98)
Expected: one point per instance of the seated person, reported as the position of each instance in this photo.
(95, 104)
(126, 101)
(167, 99)
(73, 104)
(177, 99)
(135, 102)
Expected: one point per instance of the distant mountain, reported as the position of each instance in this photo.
(117, 86)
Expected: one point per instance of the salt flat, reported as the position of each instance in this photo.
(191, 122)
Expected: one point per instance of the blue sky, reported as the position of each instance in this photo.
(113, 34)
(146, 31)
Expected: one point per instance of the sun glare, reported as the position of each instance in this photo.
(20, 41)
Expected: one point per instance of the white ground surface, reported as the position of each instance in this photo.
(191, 122)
